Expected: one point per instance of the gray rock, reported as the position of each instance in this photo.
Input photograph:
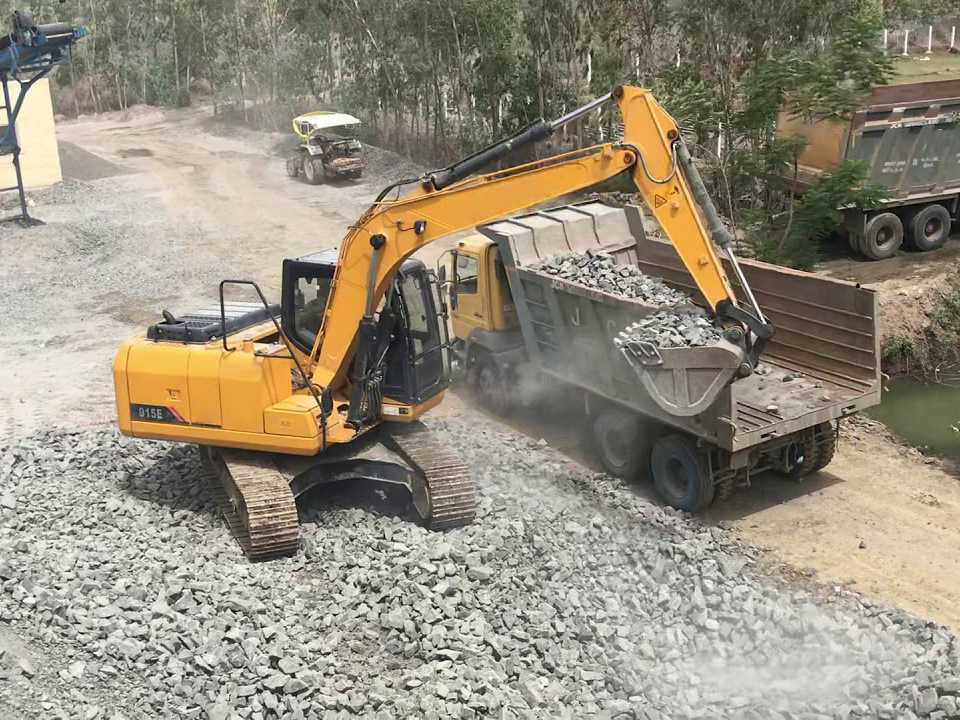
(926, 702)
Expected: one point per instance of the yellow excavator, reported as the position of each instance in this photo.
(331, 383)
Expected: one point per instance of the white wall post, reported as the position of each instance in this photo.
(929, 39)
(906, 38)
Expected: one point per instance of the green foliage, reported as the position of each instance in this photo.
(790, 238)
(944, 330)
(899, 348)
(918, 10)
(439, 78)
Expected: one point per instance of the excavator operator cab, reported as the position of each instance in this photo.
(417, 358)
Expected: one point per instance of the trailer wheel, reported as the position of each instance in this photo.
(800, 459)
(680, 473)
(882, 237)
(293, 166)
(929, 227)
(493, 386)
(621, 443)
(854, 240)
(827, 448)
(312, 169)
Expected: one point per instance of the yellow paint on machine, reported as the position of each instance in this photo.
(39, 157)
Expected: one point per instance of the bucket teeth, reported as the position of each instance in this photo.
(453, 498)
(255, 500)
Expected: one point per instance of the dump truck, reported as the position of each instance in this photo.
(909, 139)
(683, 415)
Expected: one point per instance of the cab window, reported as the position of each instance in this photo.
(466, 275)
(310, 302)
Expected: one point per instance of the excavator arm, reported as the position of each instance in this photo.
(449, 201)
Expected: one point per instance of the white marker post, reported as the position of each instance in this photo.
(930, 40)
(719, 140)
(906, 38)
(678, 57)
(953, 36)
(885, 35)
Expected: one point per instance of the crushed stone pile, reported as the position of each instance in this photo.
(672, 328)
(570, 597)
(601, 272)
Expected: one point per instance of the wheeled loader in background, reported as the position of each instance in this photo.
(323, 153)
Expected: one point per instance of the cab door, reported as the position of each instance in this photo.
(472, 303)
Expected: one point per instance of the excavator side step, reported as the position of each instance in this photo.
(447, 498)
(256, 501)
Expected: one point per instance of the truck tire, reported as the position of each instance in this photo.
(812, 454)
(854, 240)
(828, 439)
(929, 227)
(293, 166)
(882, 237)
(680, 473)
(801, 459)
(621, 449)
(493, 385)
(312, 169)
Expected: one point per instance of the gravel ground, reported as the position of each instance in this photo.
(569, 597)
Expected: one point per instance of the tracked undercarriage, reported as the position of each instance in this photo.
(257, 492)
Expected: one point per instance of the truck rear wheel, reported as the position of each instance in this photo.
(882, 237)
(929, 227)
(619, 445)
(681, 474)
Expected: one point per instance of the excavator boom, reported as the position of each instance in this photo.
(443, 203)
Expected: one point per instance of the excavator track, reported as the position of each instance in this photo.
(256, 501)
(448, 497)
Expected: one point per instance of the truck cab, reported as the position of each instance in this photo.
(483, 317)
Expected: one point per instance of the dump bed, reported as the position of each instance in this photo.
(822, 364)
(907, 135)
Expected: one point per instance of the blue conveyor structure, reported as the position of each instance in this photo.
(26, 55)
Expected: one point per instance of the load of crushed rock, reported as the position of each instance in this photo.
(122, 595)
(600, 271)
(673, 328)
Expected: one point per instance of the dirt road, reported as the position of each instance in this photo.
(165, 208)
